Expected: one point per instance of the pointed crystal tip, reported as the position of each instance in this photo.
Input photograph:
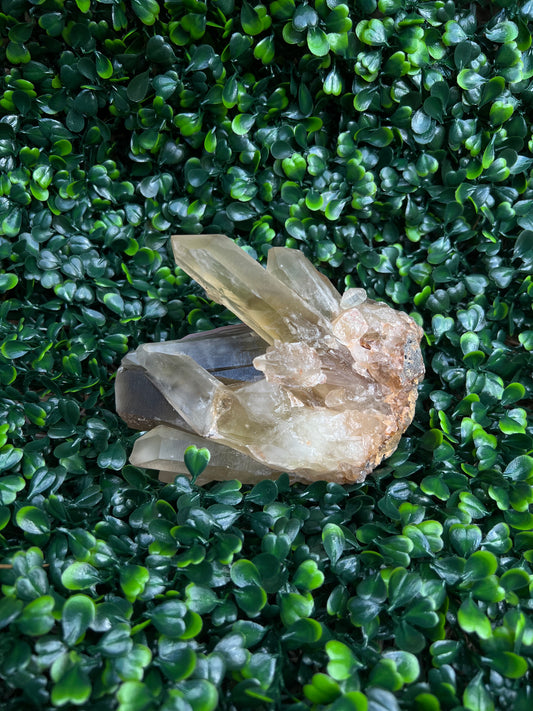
(271, 308)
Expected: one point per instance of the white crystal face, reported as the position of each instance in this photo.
(352, 297)
(332, 380)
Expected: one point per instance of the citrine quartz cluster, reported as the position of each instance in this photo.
(312, 383)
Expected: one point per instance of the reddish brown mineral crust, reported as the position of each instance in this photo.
(339, 383)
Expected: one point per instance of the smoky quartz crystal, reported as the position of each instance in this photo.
(314, 383)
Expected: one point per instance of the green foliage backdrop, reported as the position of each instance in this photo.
(391, 142)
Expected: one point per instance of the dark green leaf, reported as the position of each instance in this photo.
(77, 615)
(138, 86)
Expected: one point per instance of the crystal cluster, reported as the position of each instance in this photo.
(313, 383)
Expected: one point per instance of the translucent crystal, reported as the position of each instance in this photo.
(227, 352)
(164, 447)
(294, 270)
(323, 389)
(231, 277)
(352, 297)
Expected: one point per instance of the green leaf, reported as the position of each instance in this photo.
(244, 573)
(363, 610)
(20, 32)
(304, 17)
(138, 86)
(230, 92)
(114, 302)
(385, 675)
(441, 324)
(263, 493)
(406, 665)
(77, 615)
(333, 540)
(350, 701)
(403, 587)
(465, 538)
(36, 618)
(133, 579)
(421, 122)
(251, 599)
(12, 223)
(242, 123)
(520, 468)
(117, 642)
(364, 98)
(371, 32)
(500, 112)
(526, 339)
(472, 619)
(504, 31)
(521, 520)
(239, 45)
(381, 137)
(325, 250)
(469, 79)
(342, 661)
(8, 281)
(104, 67)
(146, 10)
(201, 695)
(17, 53)
(74, 687)
(210, 141)
(334, 209)
(13, 350)
(493, 88)
(9, 457)
(33, 521)
(227, 492)
(333, 83)
(444, 651)
(476, 697)
(509, 664)
(307, 576)
(303, 631)
(295, 606)
(322, 689)
(265, 50)
(239, 212)
(10, 485)
(514, 579)
(512, 393)
(251, 22)
(317, 41)
(80, 576)
(202, 58)
(480, 564)
(294, 167)
(85, 103)
(169, 617)
(114, 457)
(196, 460)
(134, 695)
(454, 33)
(10, 609)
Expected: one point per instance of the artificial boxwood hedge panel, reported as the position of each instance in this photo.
(392, 142)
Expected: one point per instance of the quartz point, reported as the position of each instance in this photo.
(312, 383)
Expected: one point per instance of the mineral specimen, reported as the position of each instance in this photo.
(313, 383)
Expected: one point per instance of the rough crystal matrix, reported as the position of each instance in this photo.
(312, 383)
